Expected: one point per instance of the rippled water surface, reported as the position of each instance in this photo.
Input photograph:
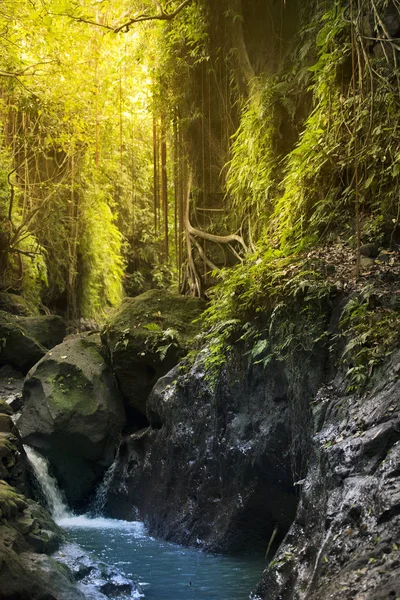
(164, 571)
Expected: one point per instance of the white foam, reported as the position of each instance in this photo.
(88, 522)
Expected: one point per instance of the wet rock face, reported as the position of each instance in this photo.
(344, 542)
(147, 336)
(215, 467)
(73, 413)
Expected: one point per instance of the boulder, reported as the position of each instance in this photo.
(27, 534)
(25, 340)
(11, 384)
(16, 305)
(73, 413)
(13, 466)
(146, 337)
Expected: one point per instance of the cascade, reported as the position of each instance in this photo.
(98, 503)
(57, 505)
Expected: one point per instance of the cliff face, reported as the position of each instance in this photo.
(214, 468)
(275, 455)
(343, 542)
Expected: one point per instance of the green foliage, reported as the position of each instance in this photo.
(369, 323)
(252, 168)
(275, 305)
(100, 254)
(355, 121)
(78, 130)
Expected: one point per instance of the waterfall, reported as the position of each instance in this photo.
(100, 498)
(57, 505)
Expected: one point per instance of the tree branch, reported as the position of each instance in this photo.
(161, 15)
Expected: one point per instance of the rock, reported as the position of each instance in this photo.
(215, 469)
(5, 408)
(383, 257)
(343, 543)
(25, 524)
(11, 384)
(25, 340)
(43, 541)
(95, 577)
(73, 413)
(18, 348)
(6, 423)
(366, 262)
(13, 467)
(48, 330)
(146, 337)
(369, 250)
(30, 575)
(15, 305)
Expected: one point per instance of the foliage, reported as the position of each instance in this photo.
(252, 169)
(369, 324)
(82, 168)
(276, 306)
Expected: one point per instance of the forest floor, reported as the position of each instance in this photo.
(377, 266)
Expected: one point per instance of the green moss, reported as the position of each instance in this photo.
(154, 321)
(11, 502)
(77, 396)
(159, 307)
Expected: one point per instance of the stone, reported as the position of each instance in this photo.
(24, 525)
(369, 250)
(18, 349)
(366, 262)
(145, 338)
(25, 340)
(11, 384)
(6, 423)
(349, 508)
(48, 330)
(73, 414)
(5, 408)
(15, 305)
(214, 469)
(383, 257)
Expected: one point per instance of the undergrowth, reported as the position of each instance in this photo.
(341, 177)
(370, 325)
(274, 306)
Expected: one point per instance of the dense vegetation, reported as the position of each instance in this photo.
(148, 143)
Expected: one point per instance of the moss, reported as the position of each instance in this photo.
(162, 308)
(10, 501)
(73, 395)
(5, 408)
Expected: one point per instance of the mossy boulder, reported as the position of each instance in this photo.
(25, 340)
(146, 337)
(73, 413)
(16, 305)
(13, 468)
(27, 535)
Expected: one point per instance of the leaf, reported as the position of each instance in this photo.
(153, 327)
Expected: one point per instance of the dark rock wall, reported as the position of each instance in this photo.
(217, 465)
(343, 543)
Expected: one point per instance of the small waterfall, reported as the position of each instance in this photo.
(57, 505)
(100, 498)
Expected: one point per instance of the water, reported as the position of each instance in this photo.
(56, 503)
(164, 571)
